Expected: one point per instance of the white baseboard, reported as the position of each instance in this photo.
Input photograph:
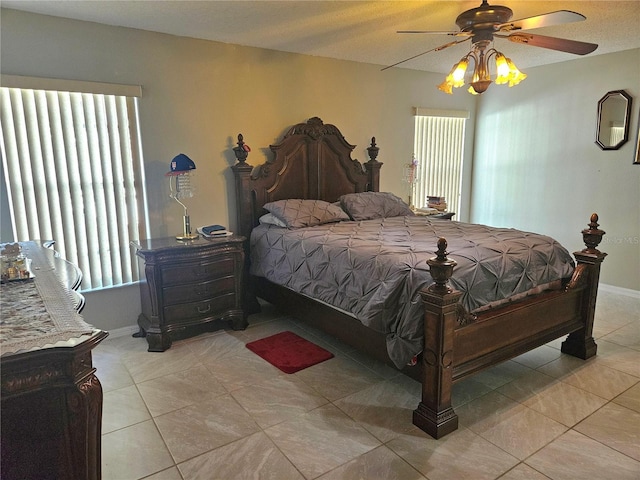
(627, 292)
(123, 332)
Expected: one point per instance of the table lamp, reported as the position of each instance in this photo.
(181, 187)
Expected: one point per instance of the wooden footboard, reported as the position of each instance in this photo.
(454, 351)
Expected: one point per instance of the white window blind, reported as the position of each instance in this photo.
(73, 172)
(439, 150)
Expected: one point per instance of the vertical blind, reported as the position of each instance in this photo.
(73, 173)
(439, 149)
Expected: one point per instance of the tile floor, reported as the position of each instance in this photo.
(208, 408)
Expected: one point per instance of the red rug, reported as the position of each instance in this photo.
(289, 352)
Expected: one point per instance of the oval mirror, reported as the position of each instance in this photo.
(614, 110)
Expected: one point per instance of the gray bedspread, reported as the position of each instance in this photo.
(373, 269)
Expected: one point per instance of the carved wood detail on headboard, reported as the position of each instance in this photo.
(312, 161)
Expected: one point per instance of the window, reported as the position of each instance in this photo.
(439, 149)
(73, 172)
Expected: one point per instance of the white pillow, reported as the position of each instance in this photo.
(271, 219)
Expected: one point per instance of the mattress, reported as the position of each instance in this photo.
(374, 269)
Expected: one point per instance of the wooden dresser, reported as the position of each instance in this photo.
(51, 398)
(187, 285)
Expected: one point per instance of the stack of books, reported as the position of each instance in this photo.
(211, 231)
(439, 203)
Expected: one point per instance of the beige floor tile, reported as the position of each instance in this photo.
(134, 452)
(627, 336)
(565, 404)
(618, 357)
(168, 474)
(379, 368)
(615, 426)
(241, 370)
(143, 365)
(574, 455)
(528, 386)
(383, 409)
(178, 390)
(266, 329)
(630, 398)
(196, 429)
(465, 391)
(614, 312)
(278, 399)
(321, 440)
(601, 380)
(253, 457)
(523, 472)
(111, 372)
(484, 407)
(501, 374)
(338, 377)
(122, 408)
(460, 455)
(538, 357)
(378, 464)
(564, 365)
(212, 347)
(509, 425)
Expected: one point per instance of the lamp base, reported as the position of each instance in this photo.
(186, 231)
(186, 236)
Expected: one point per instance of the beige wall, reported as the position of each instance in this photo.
(198, 95)
(536, 166)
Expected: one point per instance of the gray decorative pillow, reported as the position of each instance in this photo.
(296, 212)
(368, 205)
(271, 219)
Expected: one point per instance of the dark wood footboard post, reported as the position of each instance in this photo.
(434, 414)
(244, 218)
(373, 167)
(580, 343)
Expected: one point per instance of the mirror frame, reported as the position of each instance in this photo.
(627, 117)
(636, 160)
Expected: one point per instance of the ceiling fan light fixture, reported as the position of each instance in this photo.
(506, 71)
(503, 71)
(515, 75)
(455, 78)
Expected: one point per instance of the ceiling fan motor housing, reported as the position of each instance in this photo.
(482, 21)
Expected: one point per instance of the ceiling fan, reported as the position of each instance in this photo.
(482, 24)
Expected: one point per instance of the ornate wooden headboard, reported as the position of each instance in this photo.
(313, 161)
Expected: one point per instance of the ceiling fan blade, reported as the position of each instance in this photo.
(432, 32)
(553, 43)
(544, 20)
(437, 49)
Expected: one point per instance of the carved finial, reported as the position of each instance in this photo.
(373, 149)
(242, 150)
(441, 268)
(592, 236)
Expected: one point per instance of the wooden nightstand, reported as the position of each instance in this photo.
(436, 216)
(188, 284)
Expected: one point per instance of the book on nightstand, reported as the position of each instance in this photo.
(211, 231)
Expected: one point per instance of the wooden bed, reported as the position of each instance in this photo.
(313, 161)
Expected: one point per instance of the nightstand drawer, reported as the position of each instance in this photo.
(188, 312)
(197, 272)
(198, 292)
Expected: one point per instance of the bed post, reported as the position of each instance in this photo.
(580, 343)
(434, 414)
(373, 167)
(244, 218)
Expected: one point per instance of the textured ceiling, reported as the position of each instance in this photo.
(362, 31)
